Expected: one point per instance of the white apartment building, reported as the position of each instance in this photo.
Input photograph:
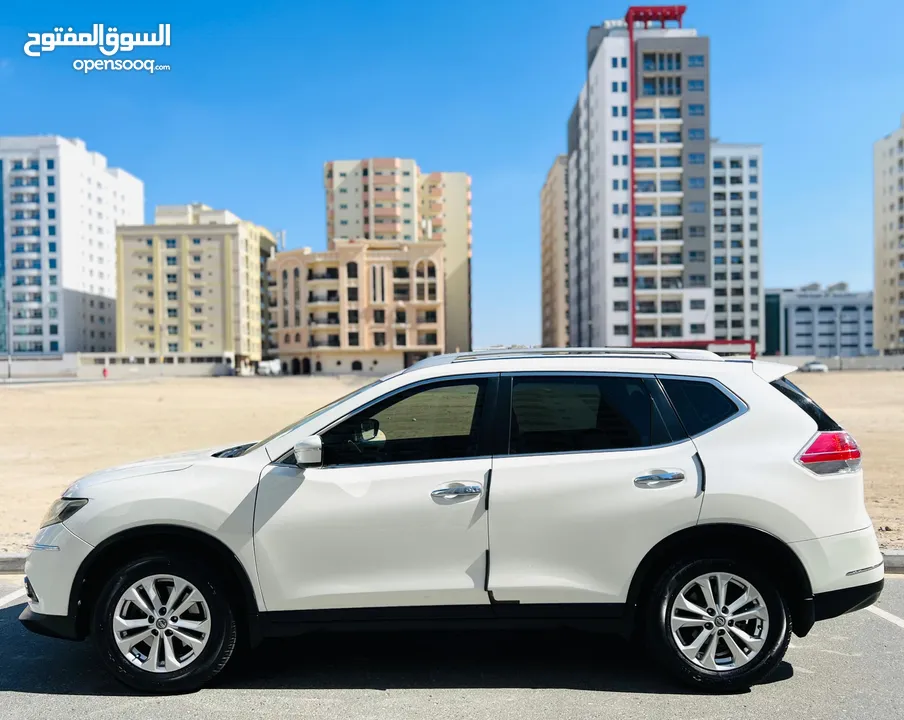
(60, 204)
(737, 257)
(888, 241)
(828, 322)
(639, 222)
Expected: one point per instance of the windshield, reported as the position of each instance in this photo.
(311, 416)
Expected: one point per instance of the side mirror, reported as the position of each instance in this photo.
(370, 428)
(309, 452)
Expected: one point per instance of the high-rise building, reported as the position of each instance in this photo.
(362, 306)
(821, 322)
(639, 226)
(190, 285)
(391, 199)
(59, 205)
(554, 255)
(888, 241)
(737, 257)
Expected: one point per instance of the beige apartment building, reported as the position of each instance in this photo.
(191, 286)
(364, 305)
(888, 242)
(391, 199)
(554, 254)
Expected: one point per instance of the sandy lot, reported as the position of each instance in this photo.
(50, 435)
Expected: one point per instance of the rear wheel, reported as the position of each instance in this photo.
(164, 625)
(718, 624)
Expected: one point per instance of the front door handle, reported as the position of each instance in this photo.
(457, 491)
(659, 478)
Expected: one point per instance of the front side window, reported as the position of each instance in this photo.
(582, 414)
(440, 421)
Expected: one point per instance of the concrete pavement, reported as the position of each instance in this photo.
(849, 667)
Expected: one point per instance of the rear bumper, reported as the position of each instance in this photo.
(838, 602)
(55, 626)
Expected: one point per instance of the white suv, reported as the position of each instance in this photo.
(708, 506)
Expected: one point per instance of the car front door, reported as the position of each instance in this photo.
(395, 517)
(598, 470)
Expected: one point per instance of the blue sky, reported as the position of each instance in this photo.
(261, 94)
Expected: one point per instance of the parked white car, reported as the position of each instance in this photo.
(814, 366)
(707, 506)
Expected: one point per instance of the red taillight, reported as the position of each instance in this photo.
(831, 452)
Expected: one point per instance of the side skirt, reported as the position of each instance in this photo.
(603, 618)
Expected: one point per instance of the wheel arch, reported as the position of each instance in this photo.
(747, 543)
(118, 548)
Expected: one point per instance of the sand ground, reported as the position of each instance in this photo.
(50, 435)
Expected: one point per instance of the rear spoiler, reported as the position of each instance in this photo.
(772, 371)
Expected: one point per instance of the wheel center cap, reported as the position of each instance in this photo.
(161, 623)
(720, 621)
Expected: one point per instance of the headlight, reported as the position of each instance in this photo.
(62, 510)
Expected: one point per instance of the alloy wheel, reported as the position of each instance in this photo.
(719, 621)
(161, 623)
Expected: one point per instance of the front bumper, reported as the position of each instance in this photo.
(55, 626)
(51, 568)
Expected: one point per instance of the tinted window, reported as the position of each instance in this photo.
(434, 422)
(570, 414)
(802, 400)
(700, 405)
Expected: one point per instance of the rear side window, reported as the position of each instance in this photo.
(583, 413)
(700, 405)
(823, 422)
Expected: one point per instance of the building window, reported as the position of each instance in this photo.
(172, 329)
(695, 86)
(379, 339)
(697, 158)
(171, 261)
(698, 304)
(615, 159)
(51, 197)
(620, 257)
(694, 61)
(614, 111)
(620, 329)
(172, 312)
(754, 179)
(696, 256)
(624, 111)
(614, 63)
(196, 241)
(51, 247)
(51, 230)
(171, 295)
(696, 207)
(173, 347)
(752, 162)
(50, 164)
(171, 243)
(171, 278)
(51, 214)
(754, 195)
(620, 282)
(695, 110)
(51, 180)
(696, 134)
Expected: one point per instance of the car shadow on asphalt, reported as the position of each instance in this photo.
(561, 659)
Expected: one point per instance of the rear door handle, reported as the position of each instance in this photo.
(659, 478)
(457, 491)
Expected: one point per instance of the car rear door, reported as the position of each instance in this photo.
(596, 469)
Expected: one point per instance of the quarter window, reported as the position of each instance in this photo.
(700, 405)
(436, 422)
(582, 414)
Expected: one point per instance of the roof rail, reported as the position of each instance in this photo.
(672, 353)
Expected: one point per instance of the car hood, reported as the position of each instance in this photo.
(152, 466)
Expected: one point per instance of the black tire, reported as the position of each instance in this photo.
(664, 647)
(212, 658)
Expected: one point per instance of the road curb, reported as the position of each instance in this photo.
(12, 562)
(894, 561)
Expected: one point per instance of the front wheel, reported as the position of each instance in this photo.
(164, 625)
(718, 624)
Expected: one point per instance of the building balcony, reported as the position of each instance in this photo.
(390, 195)
(387, 212)
(323, 300)
(321, 279)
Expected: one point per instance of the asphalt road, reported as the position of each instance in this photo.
(851, 667)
